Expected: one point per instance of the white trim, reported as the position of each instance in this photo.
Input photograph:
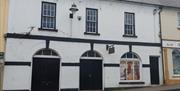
(130, 59)
(44, 56)
(92, 58)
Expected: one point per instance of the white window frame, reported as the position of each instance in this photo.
(48, 16)
(129, 20)
(92, 14)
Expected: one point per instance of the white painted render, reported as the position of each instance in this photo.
(110, 19)
(71, 53)
(24, 14)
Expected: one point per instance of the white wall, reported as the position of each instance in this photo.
(26, 13)
(17, 77)
(23, 50)
(110, 19)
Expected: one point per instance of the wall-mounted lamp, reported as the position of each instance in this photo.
(73, 10)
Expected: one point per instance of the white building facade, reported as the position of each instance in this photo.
(106, 44)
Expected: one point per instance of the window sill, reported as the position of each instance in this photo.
(130, 36)
(96, 34)
(50, 30)
(176, 76)
(131, 83)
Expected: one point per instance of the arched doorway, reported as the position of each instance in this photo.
(45, 71)
(91, 71)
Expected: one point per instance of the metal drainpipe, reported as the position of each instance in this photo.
(162, 53)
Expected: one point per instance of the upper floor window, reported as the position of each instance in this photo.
(176, 61)
(129, 24)
(91, 21)
(48, 16)
(178, 19)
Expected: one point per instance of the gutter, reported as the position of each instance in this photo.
(161, 41)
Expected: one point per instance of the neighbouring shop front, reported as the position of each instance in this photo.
(171, 51)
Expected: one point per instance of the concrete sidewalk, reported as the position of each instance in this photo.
(154, 88)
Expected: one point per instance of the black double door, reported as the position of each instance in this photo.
(154, 70)
(45, 74)
(90, 74)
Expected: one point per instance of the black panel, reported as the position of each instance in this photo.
(132, 83)
(154, 70)
(130, 48)
(47, 44)
(146, 65)
(70, 89)
(92, 46)
(38, 37)
(90, 75)
(18, 63)
(45, 74)
(111, 65)
(15, 90)
(70, 64)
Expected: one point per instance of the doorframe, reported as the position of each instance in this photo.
(45, 56)
(98, 59)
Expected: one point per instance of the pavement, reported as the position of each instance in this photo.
(154, 88)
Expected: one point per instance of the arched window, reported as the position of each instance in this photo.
(46, 52)
(176, 61)
(130, 66)
(91, 54)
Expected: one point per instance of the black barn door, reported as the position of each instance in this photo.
(154, 68)
(90, 74)
(45, 74)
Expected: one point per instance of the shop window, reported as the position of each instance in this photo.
(176, 61)
(178, 19)
(130, 67)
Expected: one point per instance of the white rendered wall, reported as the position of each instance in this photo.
(27, 13)
(70, 53)
(110, 19)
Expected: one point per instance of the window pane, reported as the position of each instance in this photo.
(39, 53)
(176, 62)
(123, 70)
(54, 54)
(44, 22)
(129, 70)
(136, 71)
(129, 55)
